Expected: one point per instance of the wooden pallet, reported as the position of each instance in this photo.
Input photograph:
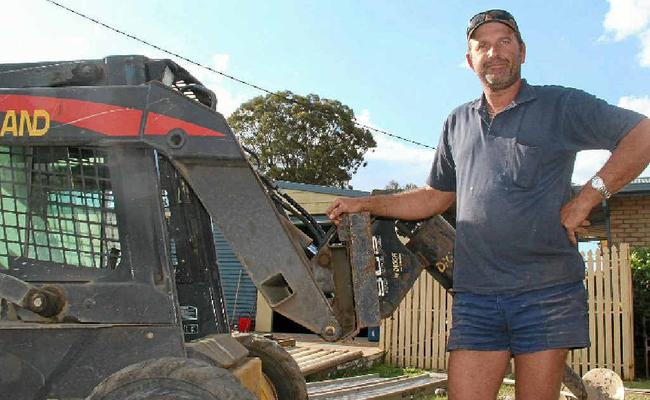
(376, 388)
(312, 359)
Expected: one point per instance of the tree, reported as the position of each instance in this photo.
(640, 260)
(394, 186)
(302, 138)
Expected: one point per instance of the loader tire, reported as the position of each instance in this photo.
(171, 379)
(278, 366)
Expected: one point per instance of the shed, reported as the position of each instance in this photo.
(240, 294)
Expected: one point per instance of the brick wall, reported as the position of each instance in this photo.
(630, 220)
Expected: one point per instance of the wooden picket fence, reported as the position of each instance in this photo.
(415, 335)
(611, 328)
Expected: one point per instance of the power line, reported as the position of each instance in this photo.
(198, 64)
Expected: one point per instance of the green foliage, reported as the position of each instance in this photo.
(383, 370)
(387, 371)
(302, 138)
(641, 281)
(640, 260)
(394, 186)
(640, 384)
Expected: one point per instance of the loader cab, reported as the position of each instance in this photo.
(118, 219)
(120, 235)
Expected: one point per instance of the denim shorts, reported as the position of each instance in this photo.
(536, 320)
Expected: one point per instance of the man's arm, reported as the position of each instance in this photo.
(412, 205)
(628, 160)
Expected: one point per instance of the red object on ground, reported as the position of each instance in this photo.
(244, 324)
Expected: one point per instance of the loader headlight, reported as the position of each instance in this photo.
(168, 77)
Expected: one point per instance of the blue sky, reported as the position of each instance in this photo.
(399, 65)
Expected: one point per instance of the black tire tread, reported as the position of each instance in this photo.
(218, 382)
(278, 365)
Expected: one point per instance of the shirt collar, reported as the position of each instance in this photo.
(526, 93)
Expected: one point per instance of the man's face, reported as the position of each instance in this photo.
(495, 55)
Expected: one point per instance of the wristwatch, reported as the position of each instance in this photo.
(598, 184)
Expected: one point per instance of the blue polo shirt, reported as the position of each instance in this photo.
(512, 175)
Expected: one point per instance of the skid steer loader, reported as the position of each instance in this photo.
(113, 174)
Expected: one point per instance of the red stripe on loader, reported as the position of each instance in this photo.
(104, 118)
(108, 119)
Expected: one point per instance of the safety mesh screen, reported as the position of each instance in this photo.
(56, 205)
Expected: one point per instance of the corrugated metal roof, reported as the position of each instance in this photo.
(639, 185)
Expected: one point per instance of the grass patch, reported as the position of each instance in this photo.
(638, 384)
(387, 371)
(509, 391)
(383, 370)
(505, 391)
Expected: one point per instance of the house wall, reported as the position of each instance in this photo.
(630, 220)
(314, 203)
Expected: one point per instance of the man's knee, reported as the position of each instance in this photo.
(539, 374)
(476, 375)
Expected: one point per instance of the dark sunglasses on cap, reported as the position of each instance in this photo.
(501, 16)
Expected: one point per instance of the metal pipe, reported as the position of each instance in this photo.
(608, 223)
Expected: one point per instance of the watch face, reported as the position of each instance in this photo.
(597, 182)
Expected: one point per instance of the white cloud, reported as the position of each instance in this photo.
(587, 164)
(72, 38)
(36, 45)
(391, 160)
(627, 18)
(227, 102)
(364, 118)
(394, 150)
(221, 62)
(638, 104)
(644, 55)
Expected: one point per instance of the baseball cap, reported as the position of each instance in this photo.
(501, 16)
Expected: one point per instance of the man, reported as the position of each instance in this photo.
(506, 159)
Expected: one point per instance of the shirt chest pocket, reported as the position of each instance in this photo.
(523, 164)
(513, 165)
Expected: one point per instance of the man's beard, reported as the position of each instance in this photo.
(503, 80)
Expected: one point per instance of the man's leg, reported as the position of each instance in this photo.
(476, 375)
(538, 375)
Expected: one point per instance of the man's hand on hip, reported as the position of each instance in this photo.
(573, 217)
